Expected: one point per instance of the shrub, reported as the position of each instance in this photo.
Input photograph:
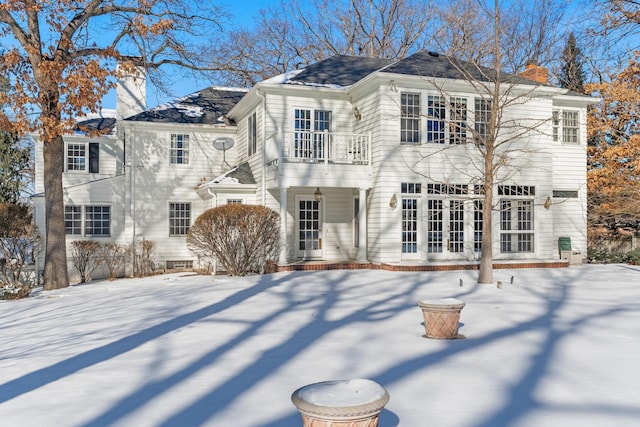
(19, 238)
(142, 258)
(85, 258)
(241, 237)
(113, 256)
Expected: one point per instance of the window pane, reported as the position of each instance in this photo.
(179, 151)
(76, 157)
(410, 118)
(73, 220)
(97, 221)
(179, 219)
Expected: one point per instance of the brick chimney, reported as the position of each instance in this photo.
(535, 73)
(131, 92)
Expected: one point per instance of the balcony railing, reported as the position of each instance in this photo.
(328, 147)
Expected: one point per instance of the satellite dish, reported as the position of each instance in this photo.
(223, 144)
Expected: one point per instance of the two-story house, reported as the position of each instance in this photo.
(369, 161)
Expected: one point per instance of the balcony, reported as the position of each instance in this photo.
(327, 147)
(321, 159)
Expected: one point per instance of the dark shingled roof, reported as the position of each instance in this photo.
(431, 64)
(98, 124)
(243, 174)
(204, 107)
(340, 70)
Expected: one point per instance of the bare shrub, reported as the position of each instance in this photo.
(19, 238)
(113, 256)
(142, 258)
(241, 237)
(85, 258)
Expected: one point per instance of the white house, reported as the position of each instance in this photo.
(368, 161)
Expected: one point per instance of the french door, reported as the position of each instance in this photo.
(308, 227)
(446, 236)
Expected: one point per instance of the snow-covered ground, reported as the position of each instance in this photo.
(557, 347)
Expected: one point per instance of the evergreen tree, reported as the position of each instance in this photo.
(572, 68)
(14, 167)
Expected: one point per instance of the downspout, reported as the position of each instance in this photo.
(133, 168)
(214, 196)
(264, 146)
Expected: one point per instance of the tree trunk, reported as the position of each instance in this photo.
(55, 257)
(485, 274)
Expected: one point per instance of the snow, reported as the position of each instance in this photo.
(557, 347)
(352, 392)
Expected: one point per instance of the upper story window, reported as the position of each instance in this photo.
(458, 123)
(436, 114)
(252, 135)
(410, 118)
(83, 157)
(179, 150)
(482, 119)
(179, 219)
(566, 124)
(311, 127)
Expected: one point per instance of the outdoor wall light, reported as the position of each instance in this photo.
(356, 113)
(317, 195)
(547, 203)
(393, 202)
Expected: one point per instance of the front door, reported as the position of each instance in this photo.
(309, 227)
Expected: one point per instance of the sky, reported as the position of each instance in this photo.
(243, 15)
(551, 347)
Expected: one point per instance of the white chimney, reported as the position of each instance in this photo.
(131, 92)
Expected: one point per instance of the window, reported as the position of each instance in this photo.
(179, 152)
(309, 137)
(410, 118)
(83, 157)
(356, 222)
(436, 113)
(565, 126)
(565, 194)
(516, 226)
(478, 215)
(73, 220)
(97, 221)
(234, 201)
(410, 216)
(458, 124)
(516, 190)
(252, 135)
(179, 219)
(482, 118)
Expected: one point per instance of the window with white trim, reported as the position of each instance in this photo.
(252, 135)
(96, 221)
(436, 114)
(458, 122)
(179, 150)
(83, 157)
(73, 220)
(234, 201)
(410, 193)
(482, 120)
(179, 219)
(566, 126)
(410, 118)
(311, 130)
(517, 219)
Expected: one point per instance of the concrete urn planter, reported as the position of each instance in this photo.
(441, 317)
(342, 403)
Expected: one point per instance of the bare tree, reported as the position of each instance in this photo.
(60, 57)
(493, 152)
(295, 33)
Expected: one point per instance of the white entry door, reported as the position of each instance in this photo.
(309, 227)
